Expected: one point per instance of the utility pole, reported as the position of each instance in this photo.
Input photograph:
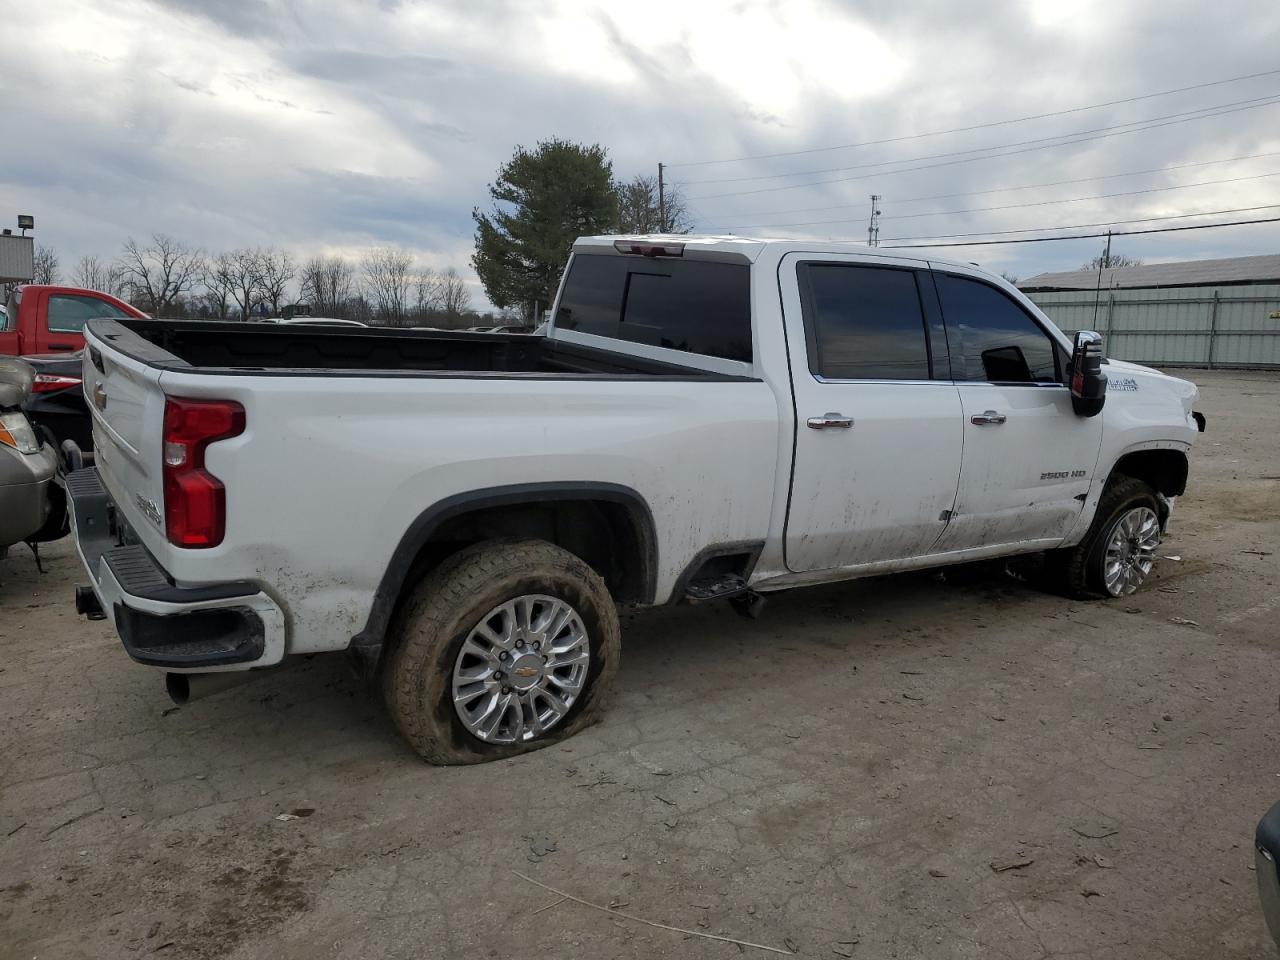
(662, 201)
(1097, 290)
(873, 225)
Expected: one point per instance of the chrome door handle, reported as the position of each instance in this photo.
(829, 420)
(990, 417)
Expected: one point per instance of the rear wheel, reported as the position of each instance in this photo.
(1118, 553)
(506, 647)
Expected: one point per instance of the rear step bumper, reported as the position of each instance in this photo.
(232, 625)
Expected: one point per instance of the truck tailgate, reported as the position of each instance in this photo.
(127, 407)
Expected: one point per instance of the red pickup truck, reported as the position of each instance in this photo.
(46, 319)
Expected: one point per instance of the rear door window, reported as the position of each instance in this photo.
(999, 342)
(863, 322)
(696, 306)
(68, 313)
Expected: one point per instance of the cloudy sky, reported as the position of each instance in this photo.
(336, 126)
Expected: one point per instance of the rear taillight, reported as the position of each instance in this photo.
(195, 502)
(49, 382)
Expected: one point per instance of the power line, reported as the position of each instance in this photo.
(951, 163)
(1031, 203)
(1025, 186)
(1084, 226)
(980, 126)
(1186, 114)
(1094, 236)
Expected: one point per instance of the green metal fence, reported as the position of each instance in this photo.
(1185, 326)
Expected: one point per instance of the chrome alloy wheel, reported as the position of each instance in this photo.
(520, 669)
(1131, 551)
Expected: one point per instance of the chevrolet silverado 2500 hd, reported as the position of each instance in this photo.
(707, 417)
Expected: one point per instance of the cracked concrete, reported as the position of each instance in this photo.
(838, 774)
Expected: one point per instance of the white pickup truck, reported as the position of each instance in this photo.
(706, 417)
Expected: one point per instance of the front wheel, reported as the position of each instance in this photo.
(504, 648)
(1118, 553)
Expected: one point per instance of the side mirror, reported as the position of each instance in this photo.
(1088, 382)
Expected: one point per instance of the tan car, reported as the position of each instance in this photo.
(27, 465)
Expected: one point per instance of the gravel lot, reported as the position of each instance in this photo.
(843, 777)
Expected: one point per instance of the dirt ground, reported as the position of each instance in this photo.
(849, 775)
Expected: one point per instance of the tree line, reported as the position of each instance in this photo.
(543, 199)
(166, 277)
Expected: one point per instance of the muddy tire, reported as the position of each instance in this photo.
(501, 599)
(1080, 572)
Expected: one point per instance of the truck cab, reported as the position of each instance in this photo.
(42, 318)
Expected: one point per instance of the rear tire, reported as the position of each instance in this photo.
(1081, 572)
(463, 601)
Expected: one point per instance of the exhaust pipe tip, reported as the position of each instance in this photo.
(88, 604)
(185, 687)
(178, 687)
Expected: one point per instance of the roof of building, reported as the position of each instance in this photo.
(1186, 273)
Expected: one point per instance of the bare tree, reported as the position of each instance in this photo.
(1114, 260)
(640, 212)
(387, 283)
(275, 269)
(45, 265)
(219, 284)
(429, 294)
(357, 307)
(94, 274)
(160, 274)
(455, 298)
(327, 284)
(242, 270)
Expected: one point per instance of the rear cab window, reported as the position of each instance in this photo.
(694, 306)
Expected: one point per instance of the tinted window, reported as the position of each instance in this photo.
(863, 323)
(998, 340)
(698, 306)
(67, 313)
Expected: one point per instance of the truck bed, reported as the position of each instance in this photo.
(194, 346)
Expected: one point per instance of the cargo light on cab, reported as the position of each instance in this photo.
(645, 248)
